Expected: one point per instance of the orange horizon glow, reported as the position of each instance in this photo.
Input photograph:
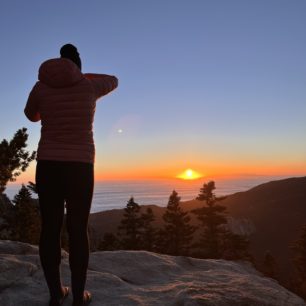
(171, 172)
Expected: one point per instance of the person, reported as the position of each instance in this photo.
(64, 100)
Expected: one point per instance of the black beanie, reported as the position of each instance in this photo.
(71, 52)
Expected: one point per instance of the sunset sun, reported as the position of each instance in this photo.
(189, 174)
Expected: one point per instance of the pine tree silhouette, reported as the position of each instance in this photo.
(32, 187)
(109, 243)
(148, 232)
(26, 223)
(212, 218)
(130, 226)
(176, 236)
(14, 159)
(299, 261)
(269, 267)
(235, 247)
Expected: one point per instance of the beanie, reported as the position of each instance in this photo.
(71, 52)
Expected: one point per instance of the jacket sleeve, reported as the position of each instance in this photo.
(102, 83)
(32, 107)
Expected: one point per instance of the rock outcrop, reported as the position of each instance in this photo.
(130, 278)
(241, 226)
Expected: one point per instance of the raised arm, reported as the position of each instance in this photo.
(102, 83)
(31, 109)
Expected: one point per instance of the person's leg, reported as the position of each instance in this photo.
(79, 190)
(51, 202)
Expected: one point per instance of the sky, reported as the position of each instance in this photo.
(216, 86)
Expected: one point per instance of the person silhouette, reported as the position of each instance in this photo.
(64, 100)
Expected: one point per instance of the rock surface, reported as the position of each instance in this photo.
(130, 278)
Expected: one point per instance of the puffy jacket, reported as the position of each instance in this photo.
(64, 99)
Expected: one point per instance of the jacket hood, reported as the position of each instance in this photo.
(59, 72)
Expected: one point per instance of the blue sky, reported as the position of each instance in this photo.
(214, 85)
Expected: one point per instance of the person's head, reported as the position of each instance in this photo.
(71, 52)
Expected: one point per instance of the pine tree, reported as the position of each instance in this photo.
(299, 260)
(14, 159)
(148, 232)
(32, 187)
(234, 246)
(109, 242)
(6, 217)
(269, 267)
(130, 226)
(212, 218)
(26, 223)
(206, 192)
(176, 236)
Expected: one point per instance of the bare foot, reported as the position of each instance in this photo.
(86, 299)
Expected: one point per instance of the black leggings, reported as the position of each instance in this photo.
(60, 182)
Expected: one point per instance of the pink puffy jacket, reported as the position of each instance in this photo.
(64, 100)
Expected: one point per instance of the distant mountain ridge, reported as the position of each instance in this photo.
(278, 211)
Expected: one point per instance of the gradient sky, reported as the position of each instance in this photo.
(217, 86)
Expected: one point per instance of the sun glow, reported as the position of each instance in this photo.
(189, 174)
